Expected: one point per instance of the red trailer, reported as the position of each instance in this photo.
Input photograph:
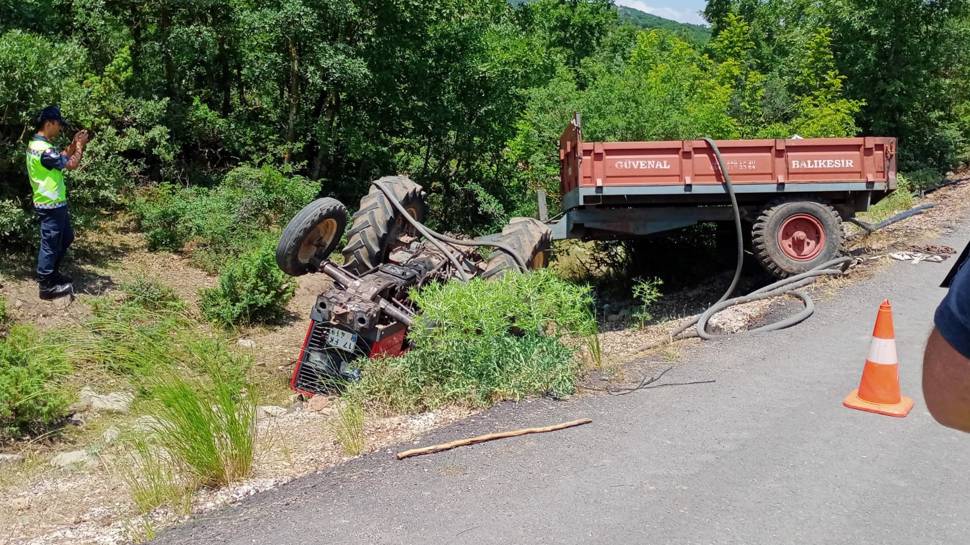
(793, 193)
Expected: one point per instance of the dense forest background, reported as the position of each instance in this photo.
(466, 96)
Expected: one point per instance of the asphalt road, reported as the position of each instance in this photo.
(766, 454)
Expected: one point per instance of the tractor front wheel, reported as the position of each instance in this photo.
(792, 237)
(311, 236)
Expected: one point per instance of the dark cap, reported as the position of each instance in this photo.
(51, 113)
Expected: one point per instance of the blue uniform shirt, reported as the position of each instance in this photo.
(52, 158)
(953, 315)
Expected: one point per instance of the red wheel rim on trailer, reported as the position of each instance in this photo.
(801, 237)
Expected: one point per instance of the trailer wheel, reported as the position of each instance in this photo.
(529, 238)
(377, 224)
(311, 236)
(794, 236)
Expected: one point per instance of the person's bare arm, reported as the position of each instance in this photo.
(946, 383)
(76, 150)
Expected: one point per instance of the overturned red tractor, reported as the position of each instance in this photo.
(792, 194)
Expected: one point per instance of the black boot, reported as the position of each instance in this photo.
(62, 278)
(55, 289)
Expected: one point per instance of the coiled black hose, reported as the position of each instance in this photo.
(791, 285)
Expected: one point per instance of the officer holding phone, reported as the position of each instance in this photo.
(45, 168)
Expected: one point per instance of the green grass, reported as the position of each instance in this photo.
(33, 372)
(349, 426)
(900, 200)
(207, 423)
(647, 292)
(153, 478)
(480, 342)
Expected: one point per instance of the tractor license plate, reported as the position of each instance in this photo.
(341, 339)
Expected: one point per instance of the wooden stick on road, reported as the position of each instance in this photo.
(488, 437)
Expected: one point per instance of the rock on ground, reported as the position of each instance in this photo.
(269, 411)
(11, 459)
(74, 458)
(115, 402)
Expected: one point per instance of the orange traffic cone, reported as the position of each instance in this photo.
(878, 390)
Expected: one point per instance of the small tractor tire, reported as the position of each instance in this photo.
(791, 237)
(376, 226)
(529, 238)
(311, 236)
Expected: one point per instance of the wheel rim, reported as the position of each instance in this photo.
(801, 237)
(538, 261)
(317, 240)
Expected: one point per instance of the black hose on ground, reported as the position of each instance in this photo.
(791, 285)
(438, 239)
(871, 228)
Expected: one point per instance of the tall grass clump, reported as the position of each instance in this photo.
(479, 342)
(348, 427)
(33, 394)
(153, 477)
(206, 422)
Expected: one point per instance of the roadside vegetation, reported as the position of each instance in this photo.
(479, 343)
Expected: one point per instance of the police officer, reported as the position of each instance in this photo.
(45, 168)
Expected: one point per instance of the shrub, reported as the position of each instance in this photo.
(223, 221)
(251, 289)
(32, 394)
(16, 225)
(480, 342)
(902, 199)
(4, 317)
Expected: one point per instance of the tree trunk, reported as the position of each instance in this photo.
(294, 100)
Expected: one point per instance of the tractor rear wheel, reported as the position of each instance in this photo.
(377, 224)
(529, 238)
(792, 237)
(311, 236)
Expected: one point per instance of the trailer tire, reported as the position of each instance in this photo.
(791, 237)
(377, 225)
(529, 238)
(311, 236)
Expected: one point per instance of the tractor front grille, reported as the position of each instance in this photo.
(323, 368)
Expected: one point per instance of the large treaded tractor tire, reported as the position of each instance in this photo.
(791, 237)
(529, 238)
(311, 236)
(377, 224)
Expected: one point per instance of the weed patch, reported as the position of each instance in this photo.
(647, 292)
(900, 200)
(480, 342)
